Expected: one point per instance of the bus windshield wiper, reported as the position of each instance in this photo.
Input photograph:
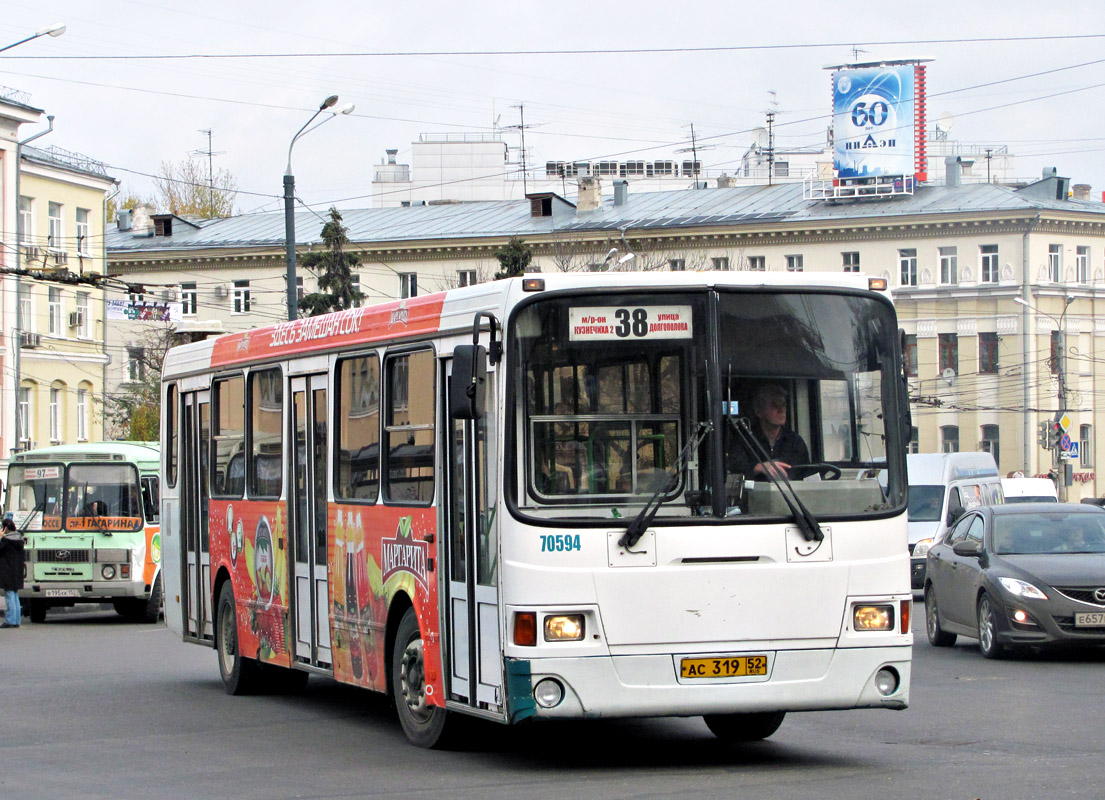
(636, 529)
(805, 519)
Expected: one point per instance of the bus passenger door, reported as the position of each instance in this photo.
(471, 563)
(307, 501)
(196, 580)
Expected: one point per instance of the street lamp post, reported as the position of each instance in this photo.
(55, 30)
(289, 198)
(1061, 374)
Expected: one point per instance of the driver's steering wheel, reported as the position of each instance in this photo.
(828, 472)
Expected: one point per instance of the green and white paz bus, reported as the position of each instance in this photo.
(89, 513)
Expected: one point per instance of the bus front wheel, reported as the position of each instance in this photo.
(38, 610)
(240, 674)
(744, 727)
(424, 725)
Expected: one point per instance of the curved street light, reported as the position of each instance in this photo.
(57, 29)
(289, 196)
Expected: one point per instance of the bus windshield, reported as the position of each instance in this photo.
(80, 497)
(793, 384)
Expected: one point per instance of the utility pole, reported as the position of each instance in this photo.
(770, 147)
(1062, 465)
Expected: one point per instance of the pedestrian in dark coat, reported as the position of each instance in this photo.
(11, 571)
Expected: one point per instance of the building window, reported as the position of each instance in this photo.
(241, 297)
(1054, 262)
(988, 353)
(910, 355)
(988, 267)
(25, 417)
(851, 262)
(1082, 264)
(84, 244)
(914, 440)
(757, 263)
(949, 266)
(84, 320)
(721, 262)
(466, 277)
(56, 232)
(135, 364)
(300, 292)
(949, 439)
(794, 263)
(55, 312)
(408, 284)
(55, 415)
(26, 221)
(949, 352)
(26, 310)
(355, 284)
(677, 264)
(1085, 445)
(82, 415)
(907, 261)
(989, 443)
(189, 299)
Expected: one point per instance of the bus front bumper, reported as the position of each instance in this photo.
(63, 592)
(649, 685)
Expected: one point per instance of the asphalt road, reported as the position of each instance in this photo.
(93, 707)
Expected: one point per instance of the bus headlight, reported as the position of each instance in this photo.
(564, 628)
(873, 618)
(548, 693)
(921, 549)
(108, 571)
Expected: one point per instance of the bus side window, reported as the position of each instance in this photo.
(151, 499)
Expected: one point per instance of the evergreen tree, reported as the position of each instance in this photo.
(514, 258)
(334, 269)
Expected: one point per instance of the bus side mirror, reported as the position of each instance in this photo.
(468, 388)
(953, 515)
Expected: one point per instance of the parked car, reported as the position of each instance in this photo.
(1019, 575)
(941, 487)
(1029, 490)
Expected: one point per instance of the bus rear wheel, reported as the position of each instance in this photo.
(744, 727)
(424, 725)
(240, 675)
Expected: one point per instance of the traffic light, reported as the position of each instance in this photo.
(1042, 438)
(1054, 434)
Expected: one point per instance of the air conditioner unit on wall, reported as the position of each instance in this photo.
(220, 290)
(76, 319)
(61, 257)
(30, 340)
(170, 295)
(30, 252)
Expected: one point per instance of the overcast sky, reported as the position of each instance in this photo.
(133, 113)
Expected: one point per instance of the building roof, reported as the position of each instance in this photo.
(753, 205)
(67, 160)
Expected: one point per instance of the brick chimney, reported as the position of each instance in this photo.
(589, 196)
(1081, 191)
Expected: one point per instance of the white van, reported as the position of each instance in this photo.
(941, 487)
(1029, 490)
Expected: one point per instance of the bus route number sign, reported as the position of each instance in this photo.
(629, 323)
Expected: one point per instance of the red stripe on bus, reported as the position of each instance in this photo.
(385, 321)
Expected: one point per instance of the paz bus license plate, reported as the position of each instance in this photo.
(723, 667)
(62, 593)
(1090, 619)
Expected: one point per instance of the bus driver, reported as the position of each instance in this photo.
(786, 448)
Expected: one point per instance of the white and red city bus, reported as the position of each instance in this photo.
(533, 499)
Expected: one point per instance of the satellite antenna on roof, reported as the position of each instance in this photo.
(944, 125)
(759, 137)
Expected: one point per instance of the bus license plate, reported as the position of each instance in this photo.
(62, 593)
(1089, 619)
(723, 667)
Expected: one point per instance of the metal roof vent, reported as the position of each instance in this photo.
(621, 192)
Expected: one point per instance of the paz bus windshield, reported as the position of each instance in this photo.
(610, 388)
(49, 497)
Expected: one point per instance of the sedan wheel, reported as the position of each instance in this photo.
(938, 637)
(988, 643)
